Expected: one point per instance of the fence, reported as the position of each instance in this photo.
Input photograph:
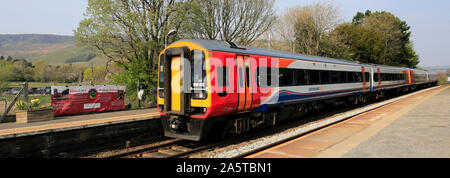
(9, 98)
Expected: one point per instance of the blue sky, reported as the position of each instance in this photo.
(58, 17)
(429, 20)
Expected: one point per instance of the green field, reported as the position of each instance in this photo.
(43, 99)
(34, 84)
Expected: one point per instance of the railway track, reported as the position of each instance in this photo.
(174, 148)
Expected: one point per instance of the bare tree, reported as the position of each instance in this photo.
(311, 24)
(230, 20)
(285, 25)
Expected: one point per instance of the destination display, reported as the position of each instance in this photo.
(87, 98)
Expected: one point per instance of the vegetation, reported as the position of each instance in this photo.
(34, 84)
(34, 104)
(371, 37)
(96, 75)
(20, 70)
(229, 20)
(131, 34)
(443, 76)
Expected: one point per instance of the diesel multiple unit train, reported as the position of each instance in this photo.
(212, 88)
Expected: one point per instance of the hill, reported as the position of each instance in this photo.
(443, 67)
(55, 49)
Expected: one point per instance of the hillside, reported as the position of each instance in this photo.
(443, 67)
(55, 49)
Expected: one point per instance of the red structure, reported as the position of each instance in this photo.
(87, 98)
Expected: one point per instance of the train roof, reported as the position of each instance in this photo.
(223, 46)
(214, 45)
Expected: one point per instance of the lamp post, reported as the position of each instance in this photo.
(170, 32)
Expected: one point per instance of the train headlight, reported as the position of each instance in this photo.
(199, 94)
(161, 92)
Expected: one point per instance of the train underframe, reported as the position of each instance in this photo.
(187, 128)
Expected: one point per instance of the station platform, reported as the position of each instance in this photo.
(414, 127)
(66, 123)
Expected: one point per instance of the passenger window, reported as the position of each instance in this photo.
(314, 77)
(344, 78)
(222, 76)
(351, 77)
(247, 76)
(366, 76)
(301, 77)
(198, 71)
(286, 77)
(161, 77)
(359, 76)
(241, 78)
(325, 77)
(335, 77)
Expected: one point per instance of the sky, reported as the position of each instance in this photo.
(429, 19)
(59, 17)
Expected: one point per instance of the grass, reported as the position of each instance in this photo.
(43, 99)
(34, 84)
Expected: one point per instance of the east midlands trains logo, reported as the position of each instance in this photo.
(92, 93)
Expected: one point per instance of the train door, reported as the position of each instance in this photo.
(243, 68)
(248, 83)
(379, 78)
(176, 83)
(363, 78)
(176, 80)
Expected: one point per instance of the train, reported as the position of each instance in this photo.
(209, 88)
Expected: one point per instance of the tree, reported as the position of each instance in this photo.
(229, 20)
(6, 74)
(357, 19)
(285, 25)
(2, 58)
(397, 48)
(96, 75)
(359, 43)
(68, 73)
(40, 71)
(130, 34)
(312, 23)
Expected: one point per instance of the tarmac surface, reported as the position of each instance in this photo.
(424, 131)
(415, 126)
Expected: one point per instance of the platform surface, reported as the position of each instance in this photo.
(415, 126)
(8, 130)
